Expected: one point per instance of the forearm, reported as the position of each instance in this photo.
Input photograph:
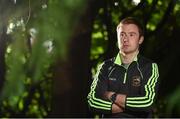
(119, 102)
(116, 108)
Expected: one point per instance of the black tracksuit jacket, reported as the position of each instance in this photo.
(139, 82)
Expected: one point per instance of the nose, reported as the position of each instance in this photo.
(126, 38)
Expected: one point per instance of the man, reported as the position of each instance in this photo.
(125, 86)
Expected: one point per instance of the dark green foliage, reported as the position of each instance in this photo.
(27, 89)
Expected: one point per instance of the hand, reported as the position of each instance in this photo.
(116, 109)
(120, 100)
(108, 94)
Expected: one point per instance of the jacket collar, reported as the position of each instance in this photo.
(118, 59)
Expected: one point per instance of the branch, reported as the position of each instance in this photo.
(166, 16)
(147, 17)
(139, 6)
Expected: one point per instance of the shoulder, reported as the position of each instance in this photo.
(107, 64)
(148, 67)
(146, 62)
(109, 61)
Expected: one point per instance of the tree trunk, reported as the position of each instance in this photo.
(3, 39)
(73, 76)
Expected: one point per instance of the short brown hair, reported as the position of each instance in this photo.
(132, 20)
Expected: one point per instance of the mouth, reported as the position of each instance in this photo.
(125, 45)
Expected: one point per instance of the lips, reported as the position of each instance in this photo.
(125, 45)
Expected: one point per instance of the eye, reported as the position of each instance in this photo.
(132, 34)
(122, 35)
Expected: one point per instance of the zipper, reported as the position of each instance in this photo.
(125, 77)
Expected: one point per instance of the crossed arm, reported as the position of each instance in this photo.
(119, 103)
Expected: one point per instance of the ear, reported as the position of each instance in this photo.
(141, 39)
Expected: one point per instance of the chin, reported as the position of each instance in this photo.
(127, 52)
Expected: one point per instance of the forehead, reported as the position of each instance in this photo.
(128, 28)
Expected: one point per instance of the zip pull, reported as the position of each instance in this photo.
(125, 76)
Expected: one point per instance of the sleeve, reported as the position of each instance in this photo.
(144, 102)
(98, 87)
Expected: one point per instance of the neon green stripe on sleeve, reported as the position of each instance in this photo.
(146, 100)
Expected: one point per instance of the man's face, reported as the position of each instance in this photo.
(129, 38)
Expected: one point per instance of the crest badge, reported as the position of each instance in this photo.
(136, 81)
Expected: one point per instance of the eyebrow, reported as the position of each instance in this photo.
(129, 32)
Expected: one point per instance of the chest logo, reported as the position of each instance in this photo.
(136, 81)
(112, 79)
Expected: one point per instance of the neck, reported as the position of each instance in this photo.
(129, 57)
